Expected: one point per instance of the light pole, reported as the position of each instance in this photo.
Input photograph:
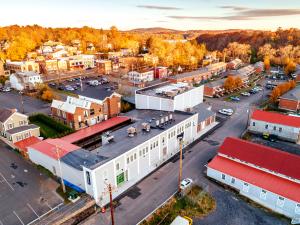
(110, 190)
(60, 170)
(180, 139)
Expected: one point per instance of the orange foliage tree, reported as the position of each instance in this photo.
(282, 89)
(229, 83)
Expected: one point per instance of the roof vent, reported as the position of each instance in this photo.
(107, 138)
(131, 131)
(146, 127)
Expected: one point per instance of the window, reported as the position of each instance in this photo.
(232, 180)
(280, 201)
(245, 187)
(134, 155)
(266, 126)
(127, 160)
(88, 178)
(131, 158)
(253, 124)
(92, 112)
(274, 128)
(263, 194)
(297, 208)
(117, 166)
(223, 176)
(280, 129)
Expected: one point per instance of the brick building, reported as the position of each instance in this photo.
(214, 88)
(290, 101)
(192, 77)
(83, 111)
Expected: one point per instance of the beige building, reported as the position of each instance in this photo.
(22, 66)
(14, 126)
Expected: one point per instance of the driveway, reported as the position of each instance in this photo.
(25, 193)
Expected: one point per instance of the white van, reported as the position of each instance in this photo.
(179, 220)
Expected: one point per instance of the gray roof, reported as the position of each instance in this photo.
(215, 83)
(203, 111)
(81, 157)
(5, 114)
(293, 94)
(190, 74)
(123, 143)
(21, 128)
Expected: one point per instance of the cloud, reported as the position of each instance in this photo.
(235, 8)
(244, 14)
(157, 7)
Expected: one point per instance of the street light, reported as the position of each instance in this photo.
(180, 139)
(60, 170)
(110, 190)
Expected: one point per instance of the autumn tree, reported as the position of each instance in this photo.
(229, 83)
(47, 95)
(238, 82)
(290, 67)
(275, 94)
(267, 64)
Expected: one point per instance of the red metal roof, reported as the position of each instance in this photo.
(277, 118)
(263, 156)
(50, 147)
(95, 129)
(267, 181)
(23, 144)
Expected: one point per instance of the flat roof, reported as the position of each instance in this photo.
(293, 94)
(215, 83)
(23, 144)
(123, 143)
(203, 111)
(264, 180)
(191, 74)
(95, 129)
(22, 128)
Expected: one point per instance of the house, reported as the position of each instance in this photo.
(267, 176)
(168, 96)
(2, 72)
(25, 80)
(214, 88)
(290, 101)
(160, 72)
(14, 126)
(192, 77)
(143, 75)
(83, 111)
(283, 126)
(217, 68)
(90, 47)
(59, 53)
(234, 64)
(104, 66)
(22, 66)
(244, 73)
(259, 67)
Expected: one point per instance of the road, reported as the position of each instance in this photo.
(143, 198)
(13, 100)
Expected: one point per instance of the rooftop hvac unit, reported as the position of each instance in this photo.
(171, 117)
(157, 123)
(146, 127)
(162, 120)
(166, 118)
(107, 138)
(171, 93)
(131, 131)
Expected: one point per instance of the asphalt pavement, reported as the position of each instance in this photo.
(146, 196)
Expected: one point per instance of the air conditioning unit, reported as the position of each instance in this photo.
(146, 127)
(131, 131)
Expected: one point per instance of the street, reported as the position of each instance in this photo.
(143, 198)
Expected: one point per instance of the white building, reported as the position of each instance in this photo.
(265, 175)
(169, 97)
(141, 76)
(283, 126)
(25, 80)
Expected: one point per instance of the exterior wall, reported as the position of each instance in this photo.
(70, 174)
(160, 72)
(27, 83)
(138, 162)
(290, 105)
(23, 66)
(286, 132)
(113, 105)
(16, 120)
(189, 99)
(289, 209)
(23, 135)
(209, 91)
(104, 67)
(141, 77)
(192, 79)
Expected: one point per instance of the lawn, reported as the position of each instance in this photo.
(196, 204)
(49, 127)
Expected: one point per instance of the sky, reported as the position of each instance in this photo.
(173, 14)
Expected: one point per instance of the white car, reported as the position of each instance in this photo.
(7, 89)
(186, 183)
(69, 88)
(245, 93)
(227, 112)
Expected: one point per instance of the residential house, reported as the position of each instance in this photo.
(83, 111)
(143, 75)
(214, 88)
(59, 53)
(267, 176)
(234, 64)
(22, 66)
(25, 80)
(15, 127)
(290, 101)
(217, 68)
(160, 72)
(285, 127)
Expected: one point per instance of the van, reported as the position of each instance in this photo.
(179, 220)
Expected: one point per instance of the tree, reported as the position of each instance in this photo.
(290, 67)
(275, 94)
(267, 63)
(47, 95)
(229, 83)
(238, 82)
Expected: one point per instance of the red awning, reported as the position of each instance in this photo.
(264, 180)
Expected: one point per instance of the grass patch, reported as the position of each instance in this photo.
(49, 127)
(64, 92)
(196, 204)
(64, 195)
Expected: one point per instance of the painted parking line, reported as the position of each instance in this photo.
(32, 210)
(7, 182)
(18, 218)
(1, 223)
(48, 205)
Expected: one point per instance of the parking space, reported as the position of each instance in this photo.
(25, 193)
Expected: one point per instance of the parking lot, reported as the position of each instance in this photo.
(25, 193)
(99, 91)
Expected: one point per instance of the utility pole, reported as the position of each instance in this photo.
(180, 138)
(111, 205)
(60, 170)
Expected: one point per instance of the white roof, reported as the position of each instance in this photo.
(15, 63)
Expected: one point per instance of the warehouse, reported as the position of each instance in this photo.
(283, 126)
(265, 175)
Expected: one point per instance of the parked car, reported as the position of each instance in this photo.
(227, 112)
(235, 98)
(245, 93)
(253, 91)
(6, 89)
(185, 183)
(52, 84)
(69, 88)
